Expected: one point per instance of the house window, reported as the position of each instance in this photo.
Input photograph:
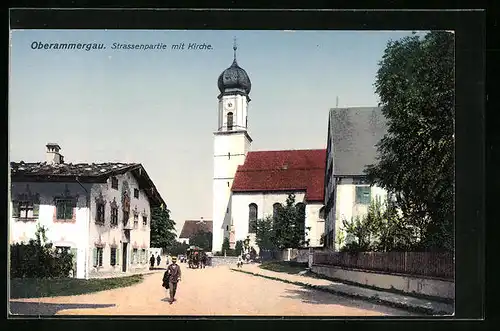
(114, 183)
(136, 220)
(134, 256)
(98, 253)
(64, 209)
(144, 256)
(136, 193)
(25, 209)
(252, 218)
(100, 213)
(126, 216)
(229, 121)
(114, 216)
(363, 195)
(113, 256)
(144, 220)
(62, 249)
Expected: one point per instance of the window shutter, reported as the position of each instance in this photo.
(95, 257)
(36, 209)
(15, 209)
(118, 256)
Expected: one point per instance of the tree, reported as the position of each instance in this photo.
(176, 248)
(202, 239)
(289, 228)
(415, 83)
(264, 233)
(162, 228)
(238, 248)
(226, 247)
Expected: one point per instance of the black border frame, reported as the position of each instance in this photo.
(469, 27)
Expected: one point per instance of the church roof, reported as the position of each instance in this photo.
(354, 133)
(289, 170)
(85, 173)
(191, 227)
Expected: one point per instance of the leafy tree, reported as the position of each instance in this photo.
(162, 228)
(264, 233)
(202, 239)
(176, 248)
(415, 82)
(226, 247)
(289, 228)
(238, 248)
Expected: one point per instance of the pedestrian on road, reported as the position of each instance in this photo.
(152, 261)
(158, 260)
(174, 276)
(239, 264)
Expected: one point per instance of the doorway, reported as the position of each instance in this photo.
(124, 257)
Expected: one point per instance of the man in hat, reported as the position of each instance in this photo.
(174, 275)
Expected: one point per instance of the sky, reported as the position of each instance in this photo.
(159, 107)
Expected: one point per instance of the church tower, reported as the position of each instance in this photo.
(231, 145)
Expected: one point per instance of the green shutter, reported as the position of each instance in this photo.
(95, 257)
(15, 209)
(36, 210)
(118, 256)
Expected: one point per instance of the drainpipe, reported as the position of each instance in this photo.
(86, 271)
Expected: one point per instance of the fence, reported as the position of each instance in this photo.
(411, 263)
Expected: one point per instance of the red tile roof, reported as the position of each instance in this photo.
(190, 228)
(291, 170)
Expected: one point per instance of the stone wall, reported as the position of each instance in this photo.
(409, 284)
(224, 260)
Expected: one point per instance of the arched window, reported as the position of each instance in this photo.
(276, 207)
(229, 121)
(301, 210)
(252, 218)
(322, 213)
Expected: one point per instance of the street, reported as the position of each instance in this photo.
(211, 291)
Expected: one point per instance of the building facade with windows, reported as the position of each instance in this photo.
(353, 134)
(246, 184)
(101, 212)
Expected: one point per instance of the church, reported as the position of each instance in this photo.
(249, 185)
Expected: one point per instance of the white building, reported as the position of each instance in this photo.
(246, 185)
(352, 137)
(101, 212)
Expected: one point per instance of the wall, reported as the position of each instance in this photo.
(347, 209)
(225, 167)
(315, 222)
(265, 202)
(72, 233)
(224, 260)
(425, 286)
(108, 236)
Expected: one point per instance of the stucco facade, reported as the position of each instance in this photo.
(90, 239)
(265, 201)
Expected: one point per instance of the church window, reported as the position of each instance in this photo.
(252, 218)
(227, 184)
(322, 213)
(276, 207)
(227, 227)
(229, 155)
(229, 121)
(301, 211)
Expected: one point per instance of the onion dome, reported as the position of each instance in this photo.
(234, 79)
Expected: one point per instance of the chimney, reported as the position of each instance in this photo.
(53, 155)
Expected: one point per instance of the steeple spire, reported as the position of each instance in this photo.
(235, 47)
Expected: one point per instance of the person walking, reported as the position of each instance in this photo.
(173, 274)
(239, 264)
(158, 260)
(152, 261)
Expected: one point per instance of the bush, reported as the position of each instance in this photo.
(38, 259)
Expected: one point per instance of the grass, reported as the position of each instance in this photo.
(291, 267)
(46, 287)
